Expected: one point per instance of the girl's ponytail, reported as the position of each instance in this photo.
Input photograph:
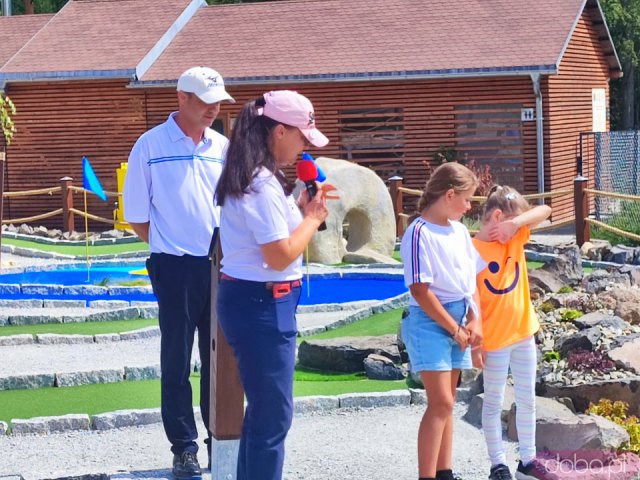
(451, 175)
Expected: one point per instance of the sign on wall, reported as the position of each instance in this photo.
(599, 108)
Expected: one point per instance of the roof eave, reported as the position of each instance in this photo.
(370, 76)
(15, 77)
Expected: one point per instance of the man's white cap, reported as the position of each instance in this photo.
(205, 83)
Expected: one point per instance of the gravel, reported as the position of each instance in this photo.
(353, 444)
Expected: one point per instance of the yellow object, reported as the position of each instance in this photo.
(142, 271)
(118, 213)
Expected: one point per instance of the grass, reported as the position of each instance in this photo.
(93, 399)
(375, 325)
(626, 219)
(78, 249)
(81, 328)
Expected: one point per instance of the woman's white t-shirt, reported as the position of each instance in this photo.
(263, 215)
(442, 256)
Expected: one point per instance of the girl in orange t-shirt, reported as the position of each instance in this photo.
(508, 323)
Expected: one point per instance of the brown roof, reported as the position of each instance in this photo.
(96, 36)
(16, 31)
(351, 39)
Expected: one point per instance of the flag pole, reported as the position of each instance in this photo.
(86, 233)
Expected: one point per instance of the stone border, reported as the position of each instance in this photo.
(54, 339)
(138, 417)
(546, 257)
(34, 253)
(15, 316)
(75, 243)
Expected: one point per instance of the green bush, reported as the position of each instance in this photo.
(617, 412)
(569, 315)
(628, 219)
(547, 307)
(566, 289)
(552, 355)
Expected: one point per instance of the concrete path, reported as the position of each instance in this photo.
(353, 444)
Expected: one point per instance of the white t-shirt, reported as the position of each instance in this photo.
(171, 183)
(263, 215)
(442, 256)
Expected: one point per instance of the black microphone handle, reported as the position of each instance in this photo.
(312, 191)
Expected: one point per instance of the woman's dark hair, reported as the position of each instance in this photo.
(247, 152)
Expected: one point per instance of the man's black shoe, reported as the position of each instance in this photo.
(186, 465)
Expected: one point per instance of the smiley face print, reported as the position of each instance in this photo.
(495, 268)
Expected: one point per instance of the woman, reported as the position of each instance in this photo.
(263, 234)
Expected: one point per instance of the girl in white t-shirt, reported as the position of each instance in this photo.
(440, 266)
(263, 235)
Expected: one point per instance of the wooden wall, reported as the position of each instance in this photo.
(57, 124)
(568, 109)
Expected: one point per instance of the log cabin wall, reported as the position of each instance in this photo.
(567, 99)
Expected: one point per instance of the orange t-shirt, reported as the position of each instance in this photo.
(505, 306)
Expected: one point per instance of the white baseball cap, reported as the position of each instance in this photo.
(205, 83)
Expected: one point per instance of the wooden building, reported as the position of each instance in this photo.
(510, 83)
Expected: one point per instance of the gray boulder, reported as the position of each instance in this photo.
(601, 319)
(346, 354)
(633, 272)
(546, 281)
(558, 428)
(620, 254)
(599, 280)
(625, 303)
(627, 355)
(379, 367)
(584, 339)
(474, 411)
(566, 267)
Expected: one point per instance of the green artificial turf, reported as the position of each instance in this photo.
(93, 399)
(375, 325)
(78, 249)
(80, 328)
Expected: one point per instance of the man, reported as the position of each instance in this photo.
(168, 200)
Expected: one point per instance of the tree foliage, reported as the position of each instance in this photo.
(7, 109)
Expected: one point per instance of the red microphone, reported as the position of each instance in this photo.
(307, 172)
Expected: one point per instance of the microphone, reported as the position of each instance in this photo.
(308, 173)
(321, 176)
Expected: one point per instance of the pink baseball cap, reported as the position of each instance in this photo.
(295, 110)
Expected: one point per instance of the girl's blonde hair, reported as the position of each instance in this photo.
(451, 175)
(505, 198)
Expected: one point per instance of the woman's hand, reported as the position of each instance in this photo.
(475, 332)
(316, 208)
(461, 336)
(477, 357)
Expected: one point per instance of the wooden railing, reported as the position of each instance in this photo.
(67, 210)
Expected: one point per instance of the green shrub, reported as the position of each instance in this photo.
(566, 289)
(569, 315)
(547, 307)
(617, 412)
(628, 219)
(552, 355)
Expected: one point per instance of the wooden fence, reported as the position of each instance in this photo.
(66, 190)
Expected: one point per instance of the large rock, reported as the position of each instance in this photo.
(626, 301)
(626, 390)
(601, 319)
(584, 339)
(474, 412)
(566, 267)
(627, 355)
(559, 429)
(599, 280)
(365, 204)
(595, 249)
(547, 282)
(379, 367)
(620, 254)
(346, 354)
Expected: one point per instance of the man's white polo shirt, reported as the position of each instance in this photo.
(170, 183)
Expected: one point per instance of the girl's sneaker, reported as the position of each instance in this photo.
(534, 470)
(500, 472)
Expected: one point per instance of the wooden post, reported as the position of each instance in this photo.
(67, 204)
(226, 402)
(581, 204)
(396, 197)
(3, 158)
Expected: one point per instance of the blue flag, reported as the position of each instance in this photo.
(90, 180)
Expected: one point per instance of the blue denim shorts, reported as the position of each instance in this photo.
(430, 346)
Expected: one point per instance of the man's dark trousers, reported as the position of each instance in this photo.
(182, 285)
